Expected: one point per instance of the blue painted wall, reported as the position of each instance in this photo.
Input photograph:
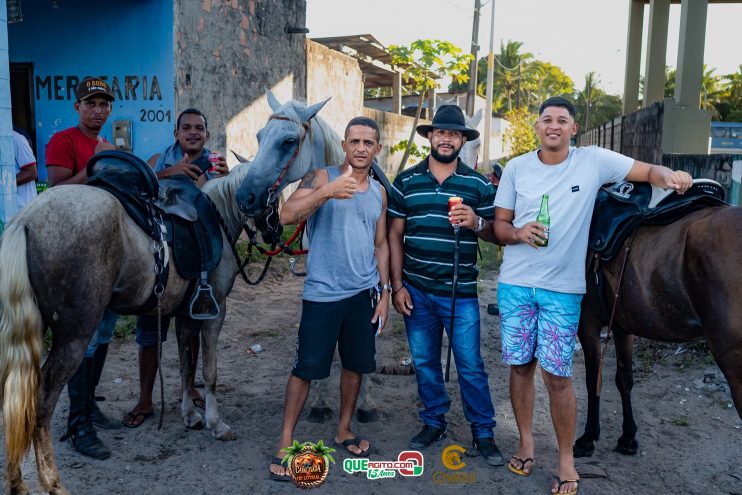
(130, 43)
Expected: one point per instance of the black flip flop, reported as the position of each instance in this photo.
(356, 442)
(277, 477)
(134, 417)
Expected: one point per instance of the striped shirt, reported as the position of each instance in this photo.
(417, 197)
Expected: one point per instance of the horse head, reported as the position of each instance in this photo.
(283, 154)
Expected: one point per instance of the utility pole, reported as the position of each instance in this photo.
(488, 104)
(472, 92)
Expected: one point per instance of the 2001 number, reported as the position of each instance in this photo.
(154, 116)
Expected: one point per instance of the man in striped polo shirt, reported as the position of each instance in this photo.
(421, 244)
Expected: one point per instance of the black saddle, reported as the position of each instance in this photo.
(193, 228)
(174, 210)
(128, 178)
(622, 207)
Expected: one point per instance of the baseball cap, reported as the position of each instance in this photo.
(91, 86)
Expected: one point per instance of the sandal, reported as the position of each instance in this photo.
(277, 477)
(135, 420)
(521, 470)
(563, 482)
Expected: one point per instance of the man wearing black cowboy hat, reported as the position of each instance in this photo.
(421, 244)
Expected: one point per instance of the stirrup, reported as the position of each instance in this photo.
(204, 287)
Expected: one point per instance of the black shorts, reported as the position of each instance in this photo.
(346, 323)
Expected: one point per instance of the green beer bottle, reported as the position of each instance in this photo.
(544, 219)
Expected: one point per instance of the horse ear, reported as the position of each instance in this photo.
(272, 101)
(239, 157)
(476, 118)
(308, 113)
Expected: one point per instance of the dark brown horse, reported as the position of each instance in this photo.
(682, 282)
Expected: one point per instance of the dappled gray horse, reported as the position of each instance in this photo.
(69, 255)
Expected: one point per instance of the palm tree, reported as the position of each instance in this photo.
(513, 71)
(589, 96)
(710, 91)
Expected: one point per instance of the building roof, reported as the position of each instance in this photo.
(374, 59)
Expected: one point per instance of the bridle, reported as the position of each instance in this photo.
(268, 222)
(273, 190)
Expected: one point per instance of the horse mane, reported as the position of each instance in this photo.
(334, 154)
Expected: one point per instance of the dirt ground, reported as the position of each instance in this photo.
(690, 436)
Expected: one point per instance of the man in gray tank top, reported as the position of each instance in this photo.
(345, 211)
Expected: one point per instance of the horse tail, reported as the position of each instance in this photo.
(20, 345)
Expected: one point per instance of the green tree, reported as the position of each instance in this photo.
(593, 105)
(421, 60)
(711, 91)
(552, 81)
(520, 136)
(732, 97)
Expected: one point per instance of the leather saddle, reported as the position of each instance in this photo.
(623, 207)
(174, 210)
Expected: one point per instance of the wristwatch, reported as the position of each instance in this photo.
(387, 287)
(480, 224)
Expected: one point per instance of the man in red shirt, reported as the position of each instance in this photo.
(67, 156)
(68, 151)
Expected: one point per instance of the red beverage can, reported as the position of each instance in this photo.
(453, 201)
(214, 158)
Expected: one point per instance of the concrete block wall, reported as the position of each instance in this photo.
(333, 74)
(394, 128)
(227, 53)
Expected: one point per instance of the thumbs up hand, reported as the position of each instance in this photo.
(344, 186)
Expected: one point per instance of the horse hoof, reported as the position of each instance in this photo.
(627, 447)
(20, 489)
(583, 448)
(367, 415)
(319, 414)
(194, 422)
(224, 433)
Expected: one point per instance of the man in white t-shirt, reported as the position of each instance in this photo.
(25, 171)
(540, 288)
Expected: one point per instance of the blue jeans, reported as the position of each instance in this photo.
(430, 315)
(103, 332)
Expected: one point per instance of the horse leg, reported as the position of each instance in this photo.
(184, 330)
(627, 443)
(589, 333)
(728, 356)
(320, 411)
(60, 366)
(367, 411)
(209, 342)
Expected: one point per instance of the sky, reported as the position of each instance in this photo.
(577, 35)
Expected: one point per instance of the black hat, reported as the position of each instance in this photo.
(93, 86)
(449, 117)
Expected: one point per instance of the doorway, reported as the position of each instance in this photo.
(22, 100)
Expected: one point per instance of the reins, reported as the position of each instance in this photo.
(276, 185)
(627, 248)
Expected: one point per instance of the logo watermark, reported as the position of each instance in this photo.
(308, 463)
(408, 463)
(451, 458)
